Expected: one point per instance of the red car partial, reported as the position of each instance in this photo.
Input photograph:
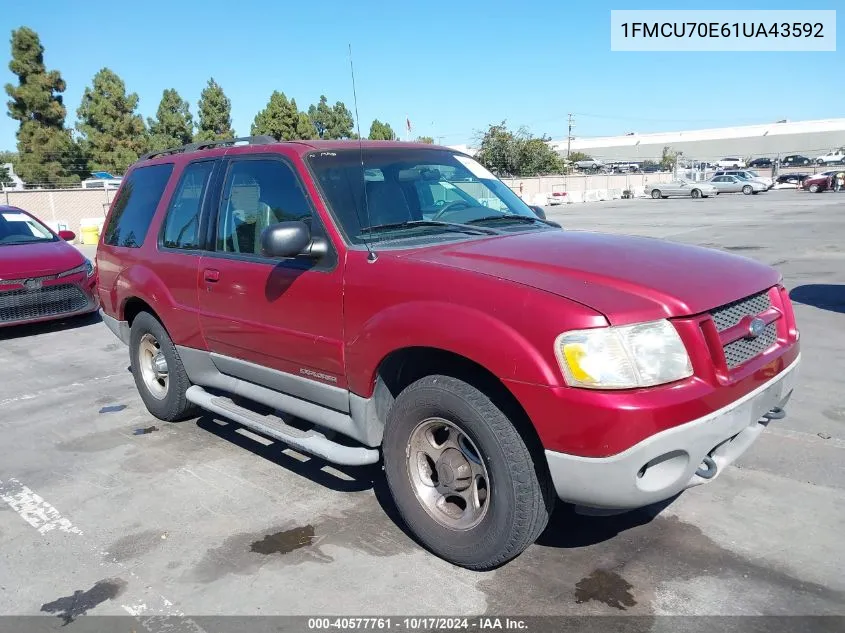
(820, 182)
(42, 277)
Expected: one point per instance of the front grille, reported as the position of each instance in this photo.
(23, 305)
(737, 352)
(730, 314)
(18, 282)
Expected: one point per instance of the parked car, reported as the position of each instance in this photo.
(761, 162)
(790, 181)
(589, 165)
(650, 168)
(492, 361)
(747, 174)
(680, 188)
(793, 160)
(42, 277)
(554, 198)
(728, 183)
(730, 163)
(833, 157)
(820, 182)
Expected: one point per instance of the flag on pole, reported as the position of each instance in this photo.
(408, 124)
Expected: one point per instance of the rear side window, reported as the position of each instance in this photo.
(181, 226)
(136, 204)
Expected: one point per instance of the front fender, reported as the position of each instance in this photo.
(471, 333)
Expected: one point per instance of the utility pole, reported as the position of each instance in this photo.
(569, 137)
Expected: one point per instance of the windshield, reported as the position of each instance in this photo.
(412, 190)
(20, 228)
(753, 173)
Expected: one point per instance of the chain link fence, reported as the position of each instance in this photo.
(62, 208)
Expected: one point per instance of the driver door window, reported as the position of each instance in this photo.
(258, 194)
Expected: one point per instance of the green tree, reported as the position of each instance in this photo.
(381, 131)
(5, 179)
(517, 153)
(215, 114)
(425, 139)
(574, 157)
(173, 125)
(46, 151)
(669, 158)
(113, 133)
(499, 150)
(283, 120)
(332, 122)
(536, 157)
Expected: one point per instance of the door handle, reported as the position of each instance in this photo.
(211, 275)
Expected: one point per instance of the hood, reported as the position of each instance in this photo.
(37, 259)
(628, 279)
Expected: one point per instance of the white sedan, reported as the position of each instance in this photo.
(681, 188)
(727, 183)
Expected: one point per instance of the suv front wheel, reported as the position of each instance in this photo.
(159, 375)
(464, 480)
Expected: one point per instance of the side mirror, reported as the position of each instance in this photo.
(541, 213)
(286, 240)
(67, 236)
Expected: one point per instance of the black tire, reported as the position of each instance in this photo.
(520, 498)
(173, 406)
(748, 190)
(655, 193)
(695, 193)
(813, 188)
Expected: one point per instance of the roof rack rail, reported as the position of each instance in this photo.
(193, 147)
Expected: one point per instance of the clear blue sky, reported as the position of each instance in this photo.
(452, 67)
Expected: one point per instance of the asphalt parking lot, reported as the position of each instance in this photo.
(107, 511)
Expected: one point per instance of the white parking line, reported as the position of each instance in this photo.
(34, 509)
(156, 618)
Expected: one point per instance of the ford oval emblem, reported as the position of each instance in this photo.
(756, 327)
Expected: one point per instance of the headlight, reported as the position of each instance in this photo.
(627, 357)
(87, 268)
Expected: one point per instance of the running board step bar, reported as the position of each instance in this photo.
(310, 441)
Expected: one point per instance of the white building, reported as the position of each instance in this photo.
(807, 138)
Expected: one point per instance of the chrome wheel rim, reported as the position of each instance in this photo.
(448, 474)
(153, 366)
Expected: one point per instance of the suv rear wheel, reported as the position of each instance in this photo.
(159, 375)
(462, 477)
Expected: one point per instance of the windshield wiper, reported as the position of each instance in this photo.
(514, 218)
(452, 226)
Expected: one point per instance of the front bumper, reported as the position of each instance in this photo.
(52, 301)
(665, 464)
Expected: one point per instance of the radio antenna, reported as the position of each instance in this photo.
(372, 256)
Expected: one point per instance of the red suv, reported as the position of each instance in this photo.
(396, 301)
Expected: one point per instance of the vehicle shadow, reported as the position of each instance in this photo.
(825, 296)
(356, 478)
(46, 327)
(567, 529)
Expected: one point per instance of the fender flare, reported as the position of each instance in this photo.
(473, 334)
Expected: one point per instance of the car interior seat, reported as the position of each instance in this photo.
(387, 203)
(248, 216)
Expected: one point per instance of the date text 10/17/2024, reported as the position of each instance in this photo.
(417, 624)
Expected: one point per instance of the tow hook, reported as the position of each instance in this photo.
(775, 413)
(708, 468)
